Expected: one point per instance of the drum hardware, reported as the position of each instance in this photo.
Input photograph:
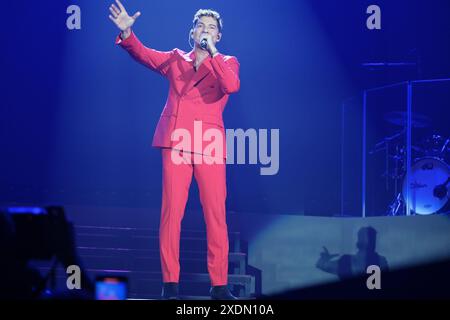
(435, 146)
(441, 191)
(385, 145)
(430, 173)
(428, 190)
(400, 118)
(445, 146)
(428, 186)
(395, 206)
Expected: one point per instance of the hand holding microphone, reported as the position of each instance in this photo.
(207, 44)
(204, 44)
(205, 41)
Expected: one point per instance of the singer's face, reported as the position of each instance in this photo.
(206, 25)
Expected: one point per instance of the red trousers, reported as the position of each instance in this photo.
(211, 180)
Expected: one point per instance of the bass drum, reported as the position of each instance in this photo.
(426, 175)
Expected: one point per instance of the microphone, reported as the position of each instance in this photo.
(204, 44)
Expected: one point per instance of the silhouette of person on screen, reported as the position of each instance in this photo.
(350, 265)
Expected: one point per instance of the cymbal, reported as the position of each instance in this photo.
(399, 118)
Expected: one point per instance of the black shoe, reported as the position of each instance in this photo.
(170, 291)
(221, 293)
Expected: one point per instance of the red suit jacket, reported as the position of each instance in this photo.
(193, 95)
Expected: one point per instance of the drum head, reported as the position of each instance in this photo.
(426, 174)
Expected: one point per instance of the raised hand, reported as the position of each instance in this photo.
(120, 17)
(325, 254)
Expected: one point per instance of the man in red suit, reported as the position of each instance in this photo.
(200, 84)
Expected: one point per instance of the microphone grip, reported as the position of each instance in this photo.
(204, 44)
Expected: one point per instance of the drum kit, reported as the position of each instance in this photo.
(429, 174)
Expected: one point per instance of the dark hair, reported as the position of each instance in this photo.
(367, 238)
(208, 13)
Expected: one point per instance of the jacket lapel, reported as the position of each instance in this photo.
(196, 77)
